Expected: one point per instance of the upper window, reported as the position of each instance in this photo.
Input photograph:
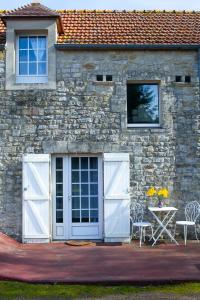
(142, 105)
(32, 58)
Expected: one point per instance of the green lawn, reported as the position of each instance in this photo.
(18, 290)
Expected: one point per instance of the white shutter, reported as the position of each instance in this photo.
(116, 197)
(36, 198)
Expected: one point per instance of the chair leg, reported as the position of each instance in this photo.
(185, 234)
(195, 229)
(144, 234)
(141, 231)
(151, 233)
(132, 232)
(174, 230)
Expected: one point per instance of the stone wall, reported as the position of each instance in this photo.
(85, 116)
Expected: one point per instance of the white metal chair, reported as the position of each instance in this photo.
(136, 216)
(192, 213)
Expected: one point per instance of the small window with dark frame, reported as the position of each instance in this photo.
(99, 77)
(178, 78)
(143, 104)
(187, 79)
(109, 78)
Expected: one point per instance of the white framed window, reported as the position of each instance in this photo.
(32, 59)
(143, 107)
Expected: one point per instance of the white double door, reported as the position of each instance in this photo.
(77, 197)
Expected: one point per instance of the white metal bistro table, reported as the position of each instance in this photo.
(163, 223)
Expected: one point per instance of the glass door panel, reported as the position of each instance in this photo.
(84, 175)
(59, 190)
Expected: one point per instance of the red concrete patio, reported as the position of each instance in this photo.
(57, 262)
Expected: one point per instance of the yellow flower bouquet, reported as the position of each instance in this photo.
(161, 194)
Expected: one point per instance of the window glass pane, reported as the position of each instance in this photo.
(59, 203)
(93, 189)
(75, 163)
(42, 68)
(42, 55)
(142, 104)
(32, 42)
(59, 216)
(84, 163)
(35, 54)
(23, 55)
(84, 189)
(94, 216)
(94, 176)
(59, 189)
(75, 189)
(75, 216)
(41, 42)
(59, 176)
(93, 163)
(94, 202)
(32, 55)
(75, 176)
(32, 68)
(59, 162)
(84, 176)
(23, 68)
(23, 42)
(75, 202)
(85, 216)
(84, 202)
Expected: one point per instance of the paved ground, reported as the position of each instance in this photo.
(142, 296)
(145, 296)
(58, 262)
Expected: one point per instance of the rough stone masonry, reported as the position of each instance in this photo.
(86, 116)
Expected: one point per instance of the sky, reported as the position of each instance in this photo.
(109, 4)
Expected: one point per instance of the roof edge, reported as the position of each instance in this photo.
(192, 11)
(127, 46)
(64, 10)
(122, 47)
(5, 17)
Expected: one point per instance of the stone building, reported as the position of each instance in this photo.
(89, 100)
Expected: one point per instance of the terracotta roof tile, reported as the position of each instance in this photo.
(2, 29)
(34, 10)
(127, 27)
(134, 27)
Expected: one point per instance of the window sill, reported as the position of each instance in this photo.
(182, 83)
(13, 84)
(157, 129)
(31, 79)
(103, 83)
(148, 126)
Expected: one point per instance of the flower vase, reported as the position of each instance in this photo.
(160, 204)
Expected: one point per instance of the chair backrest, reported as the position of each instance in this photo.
(137, 212)
(192, 211)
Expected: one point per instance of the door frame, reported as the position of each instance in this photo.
(67, 209)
